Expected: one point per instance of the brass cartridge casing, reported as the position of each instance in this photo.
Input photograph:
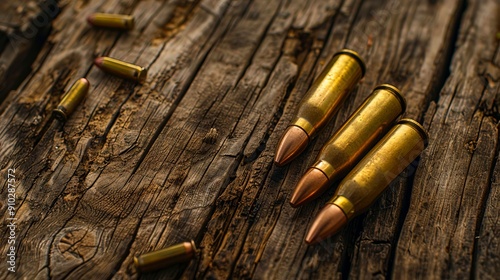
(370, 177)
(163, 258)
(397, 150)
(351, 142)
(116, 21)
(71, 99)
(326, 94)
(120, 68)
(320, 103)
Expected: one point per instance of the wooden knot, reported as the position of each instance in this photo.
(211, 136)
(76, 244)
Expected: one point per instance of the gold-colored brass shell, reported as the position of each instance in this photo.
(163, 258)
(116, 21)
(123, 69)
(370, 177)
(329, 90)
(360, 132)
(71, 99)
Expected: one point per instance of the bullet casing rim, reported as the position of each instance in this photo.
(194, 246)
(142, 75)
(396, 92)
(356, 56)
(60, 114)
(418, 127)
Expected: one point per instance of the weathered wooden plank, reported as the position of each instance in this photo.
(277, 222)
(419, 48)
(234, 245)
(56, 159)
(24, 27)
(452, 182)
(486, 246)
(87, 130)
(16, 17)
(200, 168)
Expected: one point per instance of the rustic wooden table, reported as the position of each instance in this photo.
(189, 154)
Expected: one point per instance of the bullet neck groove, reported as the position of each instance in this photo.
(396, 92)
(344, 204)
(325, 168)
(306, 126)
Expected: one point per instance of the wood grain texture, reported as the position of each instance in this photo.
(442, 231)
(24, 27)
(188, 154)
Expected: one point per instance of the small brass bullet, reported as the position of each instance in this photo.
(115, 21)
(71, 100)
(369, 178)
(163, 258)
(320, 103)
(122, 69)
(351, 142)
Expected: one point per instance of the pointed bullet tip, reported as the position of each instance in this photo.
(311, 238)
(293, 142)
(310, 186)
(309, 242)
(98, 61)
(277, 162)
(90, 19)
(328, 222)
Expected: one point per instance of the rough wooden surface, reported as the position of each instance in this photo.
(188, 155)
(24, 26)
(444, 231)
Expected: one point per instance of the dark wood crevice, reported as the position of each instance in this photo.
(22, 39)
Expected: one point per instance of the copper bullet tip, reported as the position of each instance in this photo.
(310, 186)
(330, 220)
(90, 19)
(85, 81)
(293, 142)
(98, 61)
